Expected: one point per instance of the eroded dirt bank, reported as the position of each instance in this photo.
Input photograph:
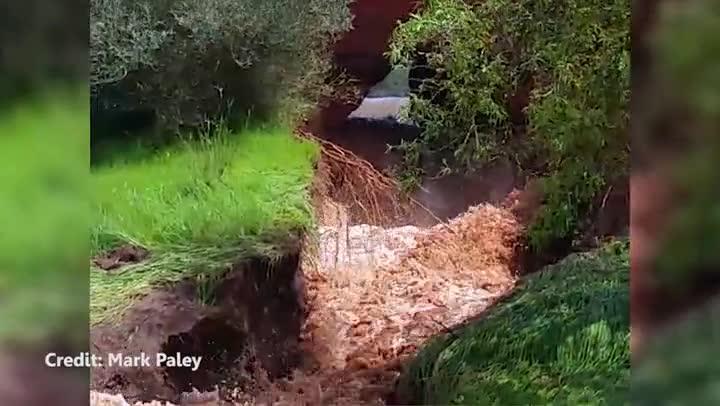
(249, 320)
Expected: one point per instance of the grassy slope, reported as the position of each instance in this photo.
(562, 338)
(197, 207)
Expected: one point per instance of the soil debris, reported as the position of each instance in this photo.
(121, 256)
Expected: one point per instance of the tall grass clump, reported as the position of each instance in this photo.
(198, 206)
(561, 338)
(214, 191)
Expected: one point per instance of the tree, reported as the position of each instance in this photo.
(543, 82)
(191, 61)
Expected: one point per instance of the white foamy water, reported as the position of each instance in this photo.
(381, 108)
(395, 84)
(387, 100)
(364, 246)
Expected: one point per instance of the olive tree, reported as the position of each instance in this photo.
(191, 61)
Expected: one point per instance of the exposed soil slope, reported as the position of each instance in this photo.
(248, 319)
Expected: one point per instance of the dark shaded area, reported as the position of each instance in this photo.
(371, 139)
(609, 218)
(108, 123)
(450, 195)
(367, 69)
(424, 80)
(123, 115)
(530, 261)
(124, 134)
(217, 342)
(419, 72)
(266, 299)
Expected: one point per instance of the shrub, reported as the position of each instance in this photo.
(193, 61)
(543, 82)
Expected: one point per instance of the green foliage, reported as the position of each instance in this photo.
(568, 59)
(562, 338)
(44, 242)
(193, 61)
(409, 171)
(198, 207)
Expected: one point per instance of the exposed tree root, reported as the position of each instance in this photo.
(370, 196)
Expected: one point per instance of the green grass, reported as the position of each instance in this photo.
(561, 338)
(44, 217)
(198, 207)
